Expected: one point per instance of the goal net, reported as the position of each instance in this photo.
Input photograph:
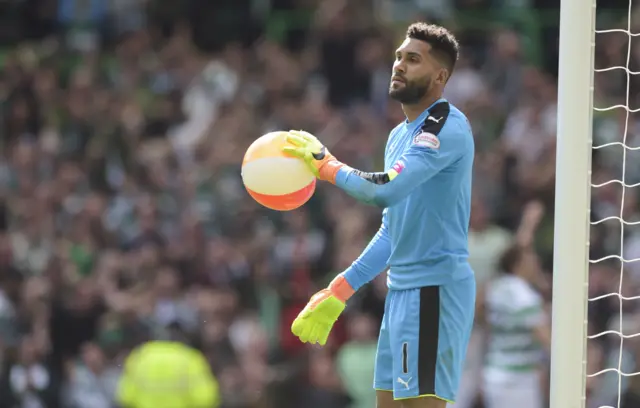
(596, 325)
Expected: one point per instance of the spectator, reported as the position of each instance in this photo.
(30, 381)
(92, 383)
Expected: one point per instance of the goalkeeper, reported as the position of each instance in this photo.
(167, 374)
(426, 194)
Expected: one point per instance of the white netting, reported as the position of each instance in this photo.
(614, 332)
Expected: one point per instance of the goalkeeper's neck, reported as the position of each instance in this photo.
(413, 111)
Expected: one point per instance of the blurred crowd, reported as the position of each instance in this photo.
(123, 217)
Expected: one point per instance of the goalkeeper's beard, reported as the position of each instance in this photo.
(412, 91)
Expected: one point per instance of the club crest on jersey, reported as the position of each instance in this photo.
(426, 139)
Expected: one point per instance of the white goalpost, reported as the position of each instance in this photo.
(572, 204)
(572, 208)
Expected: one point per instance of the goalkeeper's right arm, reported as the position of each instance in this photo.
(315, 321)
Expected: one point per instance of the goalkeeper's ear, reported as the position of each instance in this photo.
(443, 76)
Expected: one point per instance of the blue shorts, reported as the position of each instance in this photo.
(423, 340)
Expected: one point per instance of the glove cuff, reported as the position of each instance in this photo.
(341, 289)
(329, 170)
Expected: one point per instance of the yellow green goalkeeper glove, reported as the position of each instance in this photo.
(315, 321)
(307, 147)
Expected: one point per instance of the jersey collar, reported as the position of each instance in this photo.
(420, 119)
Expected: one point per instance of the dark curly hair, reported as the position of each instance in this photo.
(444, 46)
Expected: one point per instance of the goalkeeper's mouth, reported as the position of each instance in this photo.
(398, 79)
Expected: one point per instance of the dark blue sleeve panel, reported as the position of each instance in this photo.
(373, 260)
(427, 156)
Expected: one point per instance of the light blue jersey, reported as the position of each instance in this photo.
(426, 195)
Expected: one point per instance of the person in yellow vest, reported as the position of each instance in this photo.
(167, 374)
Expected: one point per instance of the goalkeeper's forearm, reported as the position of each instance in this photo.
(373, 260)
(383, 189)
